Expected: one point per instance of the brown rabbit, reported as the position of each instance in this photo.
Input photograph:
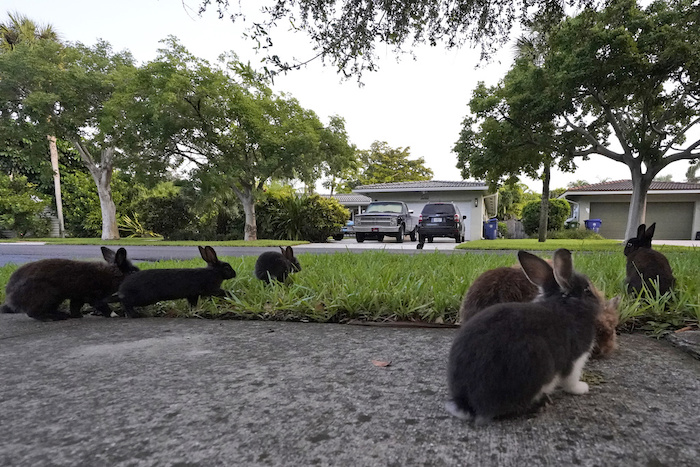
(646, 266)
(39, 288)
(510, 284)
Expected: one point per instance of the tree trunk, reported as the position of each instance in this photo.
(544, 204)
(53, 150)
(247, 199)
(102, 175)
(638, 203)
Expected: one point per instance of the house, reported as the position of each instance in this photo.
(674, 206)
(472, 199)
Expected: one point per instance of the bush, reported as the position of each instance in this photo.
(503, 230)
(559, 210)
(21, 208)
(287, 216)
(167, 215)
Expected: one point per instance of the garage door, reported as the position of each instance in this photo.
(674, 221)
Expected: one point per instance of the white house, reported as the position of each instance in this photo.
(472, 199)
(674, 206)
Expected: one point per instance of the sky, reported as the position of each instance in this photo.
(418, 104)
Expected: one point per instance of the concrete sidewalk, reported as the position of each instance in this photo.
(117, 392)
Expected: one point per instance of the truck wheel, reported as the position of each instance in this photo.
(380, 238)
(412, 234)
(360, 237)
(400, 235)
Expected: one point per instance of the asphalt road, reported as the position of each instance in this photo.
(145, 392)
(20, 253)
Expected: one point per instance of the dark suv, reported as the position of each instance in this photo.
(440, 220)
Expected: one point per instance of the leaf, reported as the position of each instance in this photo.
(381, 363)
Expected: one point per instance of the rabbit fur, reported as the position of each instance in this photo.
(488, 289)
(273, 265)
(155, 285)
(508, 357)
(644, 265)
(39, 288)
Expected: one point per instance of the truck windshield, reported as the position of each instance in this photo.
(384, 207)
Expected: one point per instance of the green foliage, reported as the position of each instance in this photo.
(285, 215)
(559, 211)
(384, 164)
(511, 199)
(166, 214)
(21, 207)
(503, 230)
(132, 228)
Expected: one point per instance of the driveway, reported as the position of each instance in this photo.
(120, 392)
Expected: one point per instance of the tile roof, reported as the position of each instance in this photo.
(626, 185)
(350, 198)
(431, 184)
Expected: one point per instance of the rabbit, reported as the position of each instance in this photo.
(272, 265)
(646, 266)
(506, 358)
(487, 290)
(155, 285)
(38, 288)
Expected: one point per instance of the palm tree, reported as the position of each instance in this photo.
(20, 29)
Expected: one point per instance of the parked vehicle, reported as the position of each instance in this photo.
(440, 220)
(347, 229)
(382, 218)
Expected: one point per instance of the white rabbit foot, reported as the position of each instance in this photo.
(578, 388)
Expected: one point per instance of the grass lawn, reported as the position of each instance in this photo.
(379, 286)
(155, 241)
(531, 244)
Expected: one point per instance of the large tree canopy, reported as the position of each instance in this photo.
(629, 92)
(225, 123)
(346, 32)
(383, 164)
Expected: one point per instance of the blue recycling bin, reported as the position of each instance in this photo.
(491, 229)
(593, 224)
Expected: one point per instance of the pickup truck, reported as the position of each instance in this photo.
(382, 218)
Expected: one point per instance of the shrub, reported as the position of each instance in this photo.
(287, 216)
(167, 215)
(574, 234)
(559, 210)
(503, 230)
(20, 206)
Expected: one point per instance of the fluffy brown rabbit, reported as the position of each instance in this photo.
(510, 284)
(646, 266)
(39, 288)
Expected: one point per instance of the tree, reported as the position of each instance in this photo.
(384, 164)
(632, 84)
(17, 30)
(691, 174)
(511, 199)
(345, 33)
(225, 122)
(52, 89)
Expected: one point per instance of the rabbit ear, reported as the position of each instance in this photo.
(108, 254)
(120, 257)
(563, 268)
(650, 231)
(211, 254)
(289, 253)
(537, 270)
(640, 231)
(283, 252)
(202, 253)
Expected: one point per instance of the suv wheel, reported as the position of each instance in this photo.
(360, 237)
(400, 235)
(458, 238)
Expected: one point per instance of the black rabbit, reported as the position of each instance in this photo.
(646, 266)
(273, 265)
(488, 289)
(155, 285)
(509, 356)
(39, 288)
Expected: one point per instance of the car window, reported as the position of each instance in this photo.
(384, 207)
(438, 209)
